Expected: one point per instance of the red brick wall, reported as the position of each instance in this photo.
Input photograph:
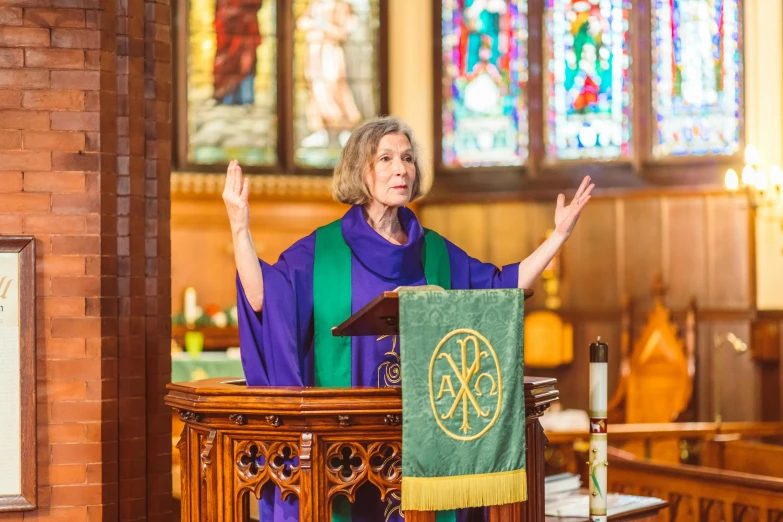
(85, 132)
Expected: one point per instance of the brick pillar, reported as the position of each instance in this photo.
(85, 135)
(157, 134)
(131, 260)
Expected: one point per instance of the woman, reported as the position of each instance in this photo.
(378, 174)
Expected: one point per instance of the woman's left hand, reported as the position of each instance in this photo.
(566, 216)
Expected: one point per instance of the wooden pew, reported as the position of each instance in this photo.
(744, 456)
(675, 443)
(697, 493)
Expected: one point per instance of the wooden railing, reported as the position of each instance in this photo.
(636, 432)
(679, 442)
(696, 493)
(229, 427)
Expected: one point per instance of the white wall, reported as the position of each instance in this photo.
(764, 129)
(410, 69)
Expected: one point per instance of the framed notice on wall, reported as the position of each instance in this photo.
(17, 374)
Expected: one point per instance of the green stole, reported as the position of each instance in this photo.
(332, 292)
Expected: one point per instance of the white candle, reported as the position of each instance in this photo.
(597, 462)
(189, 307)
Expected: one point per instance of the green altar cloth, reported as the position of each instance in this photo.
(206, 366)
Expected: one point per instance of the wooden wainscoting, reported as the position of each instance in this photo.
(283, 209)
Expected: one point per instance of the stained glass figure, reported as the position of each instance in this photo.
(484, 111)
(696, 77)
(588, 79)
(231, 83)
(336, 80)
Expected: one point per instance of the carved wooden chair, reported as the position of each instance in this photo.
(657, 370)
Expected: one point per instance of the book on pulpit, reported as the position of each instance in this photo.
(561, 484)
(577, 504)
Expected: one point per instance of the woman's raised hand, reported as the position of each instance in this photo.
(566, 216)
(235, 194)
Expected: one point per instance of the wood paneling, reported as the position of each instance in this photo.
(471, 233)
(511, 238)
(728, 253)
(736, 378)
(642, 245)
(684, 249)
(201, 245)
(589, 263)
(696, 242)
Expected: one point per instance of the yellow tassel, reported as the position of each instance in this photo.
(462, 491)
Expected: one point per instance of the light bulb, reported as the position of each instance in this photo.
(731, 180)
(751, 155)
(762, 182)
(748, 176)
(775, 177)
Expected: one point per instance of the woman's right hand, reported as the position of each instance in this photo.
(235, 194)
(235, 197)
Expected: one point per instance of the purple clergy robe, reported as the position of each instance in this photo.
(277, 343)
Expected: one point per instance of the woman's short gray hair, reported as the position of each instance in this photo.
(348, 182)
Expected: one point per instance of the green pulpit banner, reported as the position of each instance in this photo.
(463, 398)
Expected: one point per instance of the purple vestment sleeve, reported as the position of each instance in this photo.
(469, 273)
(275, 344)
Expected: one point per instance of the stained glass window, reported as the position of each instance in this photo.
(696, 75)
(336, 80)
(231, 83)
(484, 111)
(588, 79)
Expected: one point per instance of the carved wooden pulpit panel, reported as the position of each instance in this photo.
(314, 443)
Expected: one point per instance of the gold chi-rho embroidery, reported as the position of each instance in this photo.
(465, 380)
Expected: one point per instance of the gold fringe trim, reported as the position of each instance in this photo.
(462, 491)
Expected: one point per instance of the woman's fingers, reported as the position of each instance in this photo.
(237, 179)
(229, 186)
(245, 189)
(582, 202)
(586, 194)
(582, 186)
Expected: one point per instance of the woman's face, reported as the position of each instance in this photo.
(393, 172)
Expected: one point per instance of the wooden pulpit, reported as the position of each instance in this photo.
(316, 443)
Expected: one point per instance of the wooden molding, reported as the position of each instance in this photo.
(273, 186)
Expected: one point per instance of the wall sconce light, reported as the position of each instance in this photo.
(762, 188)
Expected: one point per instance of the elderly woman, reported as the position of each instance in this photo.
(279, 305)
